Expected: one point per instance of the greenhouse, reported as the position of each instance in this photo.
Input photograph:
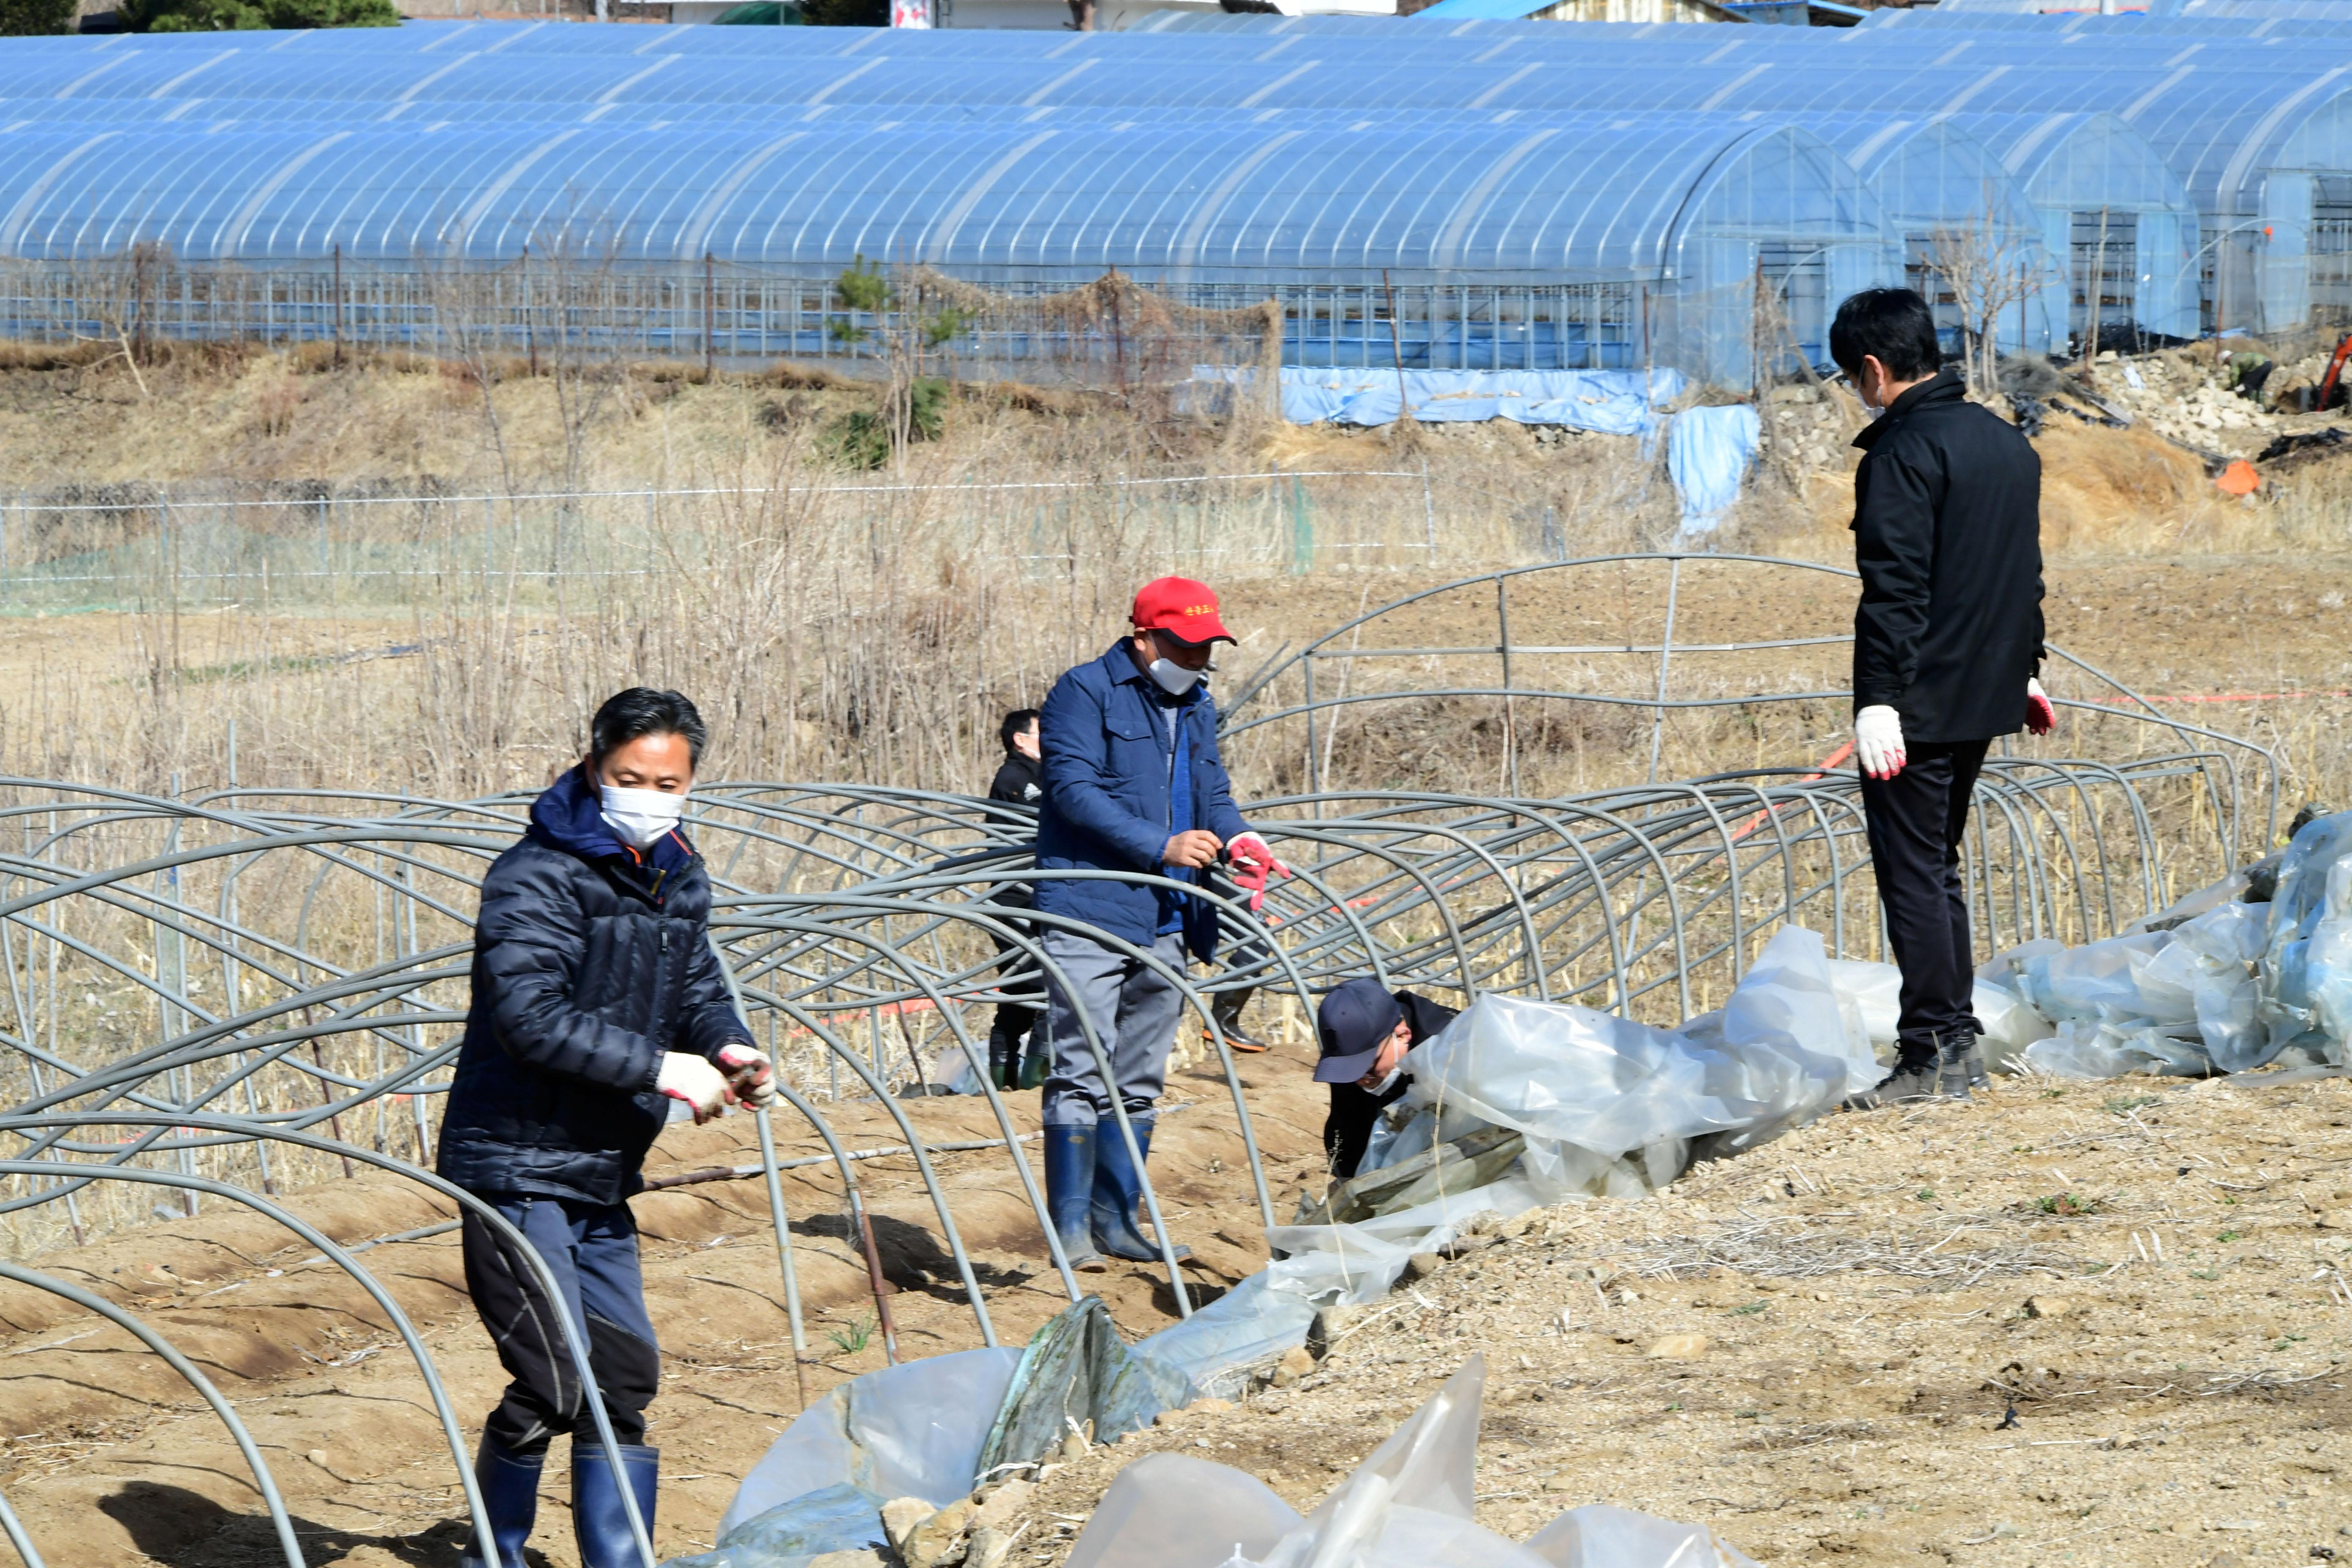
(1457, 196)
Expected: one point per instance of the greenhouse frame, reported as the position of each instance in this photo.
(1447, 196)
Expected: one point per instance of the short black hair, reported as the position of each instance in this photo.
(1020, 718)
(1893, 326)
(641, 711)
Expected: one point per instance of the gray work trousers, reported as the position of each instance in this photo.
(1134, 1009)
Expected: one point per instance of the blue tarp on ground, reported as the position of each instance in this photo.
(1708, 452)
(1609, 401)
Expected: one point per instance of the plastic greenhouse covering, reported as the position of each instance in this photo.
(1535, 196)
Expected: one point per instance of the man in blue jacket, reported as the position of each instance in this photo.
(597, 1000)
(1133, 783)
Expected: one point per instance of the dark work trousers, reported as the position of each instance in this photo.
(1016, 972)
(593, 1250)
(1914, 820)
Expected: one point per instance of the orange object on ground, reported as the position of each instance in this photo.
(2239, 478)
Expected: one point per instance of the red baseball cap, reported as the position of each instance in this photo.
(1183, 608)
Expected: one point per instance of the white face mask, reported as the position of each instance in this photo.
(640, 816)
(1173, 678)
(1389, 1082)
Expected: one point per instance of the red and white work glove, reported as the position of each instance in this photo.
(2041, 713)
(750, 1078)
(1878, 742)
(1252, 863)
(690, 1077)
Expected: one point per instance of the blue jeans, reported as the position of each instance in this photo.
(592, 1249)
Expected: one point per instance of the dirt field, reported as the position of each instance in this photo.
(2141, 1271)
(109, 1460)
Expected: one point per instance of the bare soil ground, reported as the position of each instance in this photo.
(109, 1460)
(2140, 1271)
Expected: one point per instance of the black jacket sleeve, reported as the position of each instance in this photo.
(529, 939)
(1894, 550)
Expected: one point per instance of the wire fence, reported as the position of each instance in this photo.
(198, 546)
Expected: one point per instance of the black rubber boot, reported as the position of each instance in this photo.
(1004, 1057)
(599, 1523)
(1916, 1080)
(1227, 1011)
(1119, 1188)
(1069, 1193)
(510, 1484)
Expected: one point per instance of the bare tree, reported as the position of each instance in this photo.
(1990, 267)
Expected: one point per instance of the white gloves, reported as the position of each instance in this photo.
(2041, 713)
(750, 1076)
(1878, 742)
(690, 1077)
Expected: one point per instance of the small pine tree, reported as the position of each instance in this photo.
(22, 19)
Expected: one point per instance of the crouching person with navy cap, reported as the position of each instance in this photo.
(1133, 783)
(597, 1001)
(1365, 1029)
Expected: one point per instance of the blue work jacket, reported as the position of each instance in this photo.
(1105, 735)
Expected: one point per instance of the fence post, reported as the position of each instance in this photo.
(1302, 530)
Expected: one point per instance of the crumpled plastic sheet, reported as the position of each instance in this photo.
(836, 1519)
(1407, 1506)
(1609, 402)
(1779, 1052)
(1709, 452)
(2306, 986)
(1076, 1373)
(1221, 1346)
(2182, 1002)
(912, 1430)
(1872, 996)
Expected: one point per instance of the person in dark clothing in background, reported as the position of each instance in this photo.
(1020, 781)
(1365, 1030)
(597, 995)
(1947, 651)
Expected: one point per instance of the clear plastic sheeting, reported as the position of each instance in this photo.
(911, 1430)
(1078, 1375)
(1609, 1085)
(837, 1519)
(1610, 402)
(1224, 1345)
(2307, 950)
(1409, 1505)
(1600, 1536)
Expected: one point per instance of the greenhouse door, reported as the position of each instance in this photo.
(1792, 324)
(2104, 283)
(2330, 241)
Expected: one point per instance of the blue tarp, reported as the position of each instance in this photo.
(1708, 452)
(1609, 401)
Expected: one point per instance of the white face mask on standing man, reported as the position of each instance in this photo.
(640, 817)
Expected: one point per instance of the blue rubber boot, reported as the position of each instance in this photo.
(1118, 1187)
(510, 1484)
(1069, 1190)
(599, 1523)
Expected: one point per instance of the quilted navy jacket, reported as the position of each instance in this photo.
(1108, 760)
(590, 962)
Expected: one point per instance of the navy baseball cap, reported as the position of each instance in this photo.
(1351, 1023)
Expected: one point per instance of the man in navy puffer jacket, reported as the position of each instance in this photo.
(597, 1000)
(1133, 783)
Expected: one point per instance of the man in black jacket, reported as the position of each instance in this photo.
(1020, 781)
(1365, 1030)
(595, 994)
(1946, 644)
